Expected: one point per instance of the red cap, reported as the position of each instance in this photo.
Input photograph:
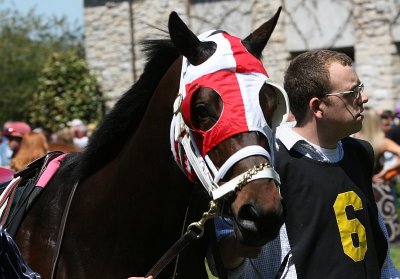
(16, 129)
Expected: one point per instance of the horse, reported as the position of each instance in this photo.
(112, 210)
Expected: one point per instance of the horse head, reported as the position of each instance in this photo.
(224, 117)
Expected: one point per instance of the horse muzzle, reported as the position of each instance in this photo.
(255, 227)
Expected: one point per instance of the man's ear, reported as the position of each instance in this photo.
(316, 107)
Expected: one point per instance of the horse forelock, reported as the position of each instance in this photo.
(121, 122)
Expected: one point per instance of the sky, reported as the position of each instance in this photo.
(72, 9)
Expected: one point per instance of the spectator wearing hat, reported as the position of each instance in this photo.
(79, 131)
(14, 131)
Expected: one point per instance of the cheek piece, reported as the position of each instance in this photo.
(237, 76)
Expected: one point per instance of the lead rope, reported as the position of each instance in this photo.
(61, 231)
(182, 232)
(185, 240)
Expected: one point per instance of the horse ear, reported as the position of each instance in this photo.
(184, 39)
(187, 42)
(256, 41)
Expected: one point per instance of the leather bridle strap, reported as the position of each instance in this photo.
(172, 252)
(61, 231)
(194, 231)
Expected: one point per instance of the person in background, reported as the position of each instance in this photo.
(394, 132)
(90, 129)
(79, 130)
(384, 171)
(63, 140)
(333, 228)
(14, 131)
(391, 128)
(5, 151)
(386, 120)
(33, 146)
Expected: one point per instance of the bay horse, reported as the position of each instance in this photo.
(124, 198)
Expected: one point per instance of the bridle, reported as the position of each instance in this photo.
(209, 177)
(199, 167)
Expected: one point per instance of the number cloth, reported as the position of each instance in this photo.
(332, 211)
(269, 260)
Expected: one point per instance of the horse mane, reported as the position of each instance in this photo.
(121, 122)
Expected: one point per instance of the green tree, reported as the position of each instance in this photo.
(66, 90)
(26, 42)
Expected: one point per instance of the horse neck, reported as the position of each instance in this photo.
(149, 148)
(144, 171)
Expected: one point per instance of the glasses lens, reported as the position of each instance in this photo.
(359, 90)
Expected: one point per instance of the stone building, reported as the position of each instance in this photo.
(367, 30)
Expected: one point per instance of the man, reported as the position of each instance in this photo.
(5, 151)
(78, 130)
(14, 131)
(333, 229)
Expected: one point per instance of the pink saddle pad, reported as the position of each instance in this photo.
(52, 167)
(6, 174)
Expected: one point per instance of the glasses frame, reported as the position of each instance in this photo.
(358, 90)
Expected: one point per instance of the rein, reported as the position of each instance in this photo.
(194, 231)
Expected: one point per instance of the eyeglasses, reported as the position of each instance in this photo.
(355, 93)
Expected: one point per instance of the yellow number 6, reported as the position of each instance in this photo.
(347, 227)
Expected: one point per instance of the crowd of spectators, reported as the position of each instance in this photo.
(20, 144)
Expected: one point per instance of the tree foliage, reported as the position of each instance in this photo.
(66, 90)
(27, 41)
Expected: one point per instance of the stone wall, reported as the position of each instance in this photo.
(113, 44)
(109, 47)
(276, 56)
(150, 21)
(366, 29)
(377, 58)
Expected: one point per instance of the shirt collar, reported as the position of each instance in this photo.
(292, 140)
(287, 136)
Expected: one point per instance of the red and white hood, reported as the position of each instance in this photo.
(237, 76)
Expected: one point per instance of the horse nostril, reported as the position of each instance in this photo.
(248, 212)
(248, 216)
(256, 226)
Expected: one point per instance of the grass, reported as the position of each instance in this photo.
(210, 276)
(395, 248)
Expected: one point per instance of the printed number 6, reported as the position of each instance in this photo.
(348, 227)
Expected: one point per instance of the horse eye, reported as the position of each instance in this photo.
(201, 111)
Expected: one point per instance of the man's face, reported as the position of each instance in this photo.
(344, 111)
